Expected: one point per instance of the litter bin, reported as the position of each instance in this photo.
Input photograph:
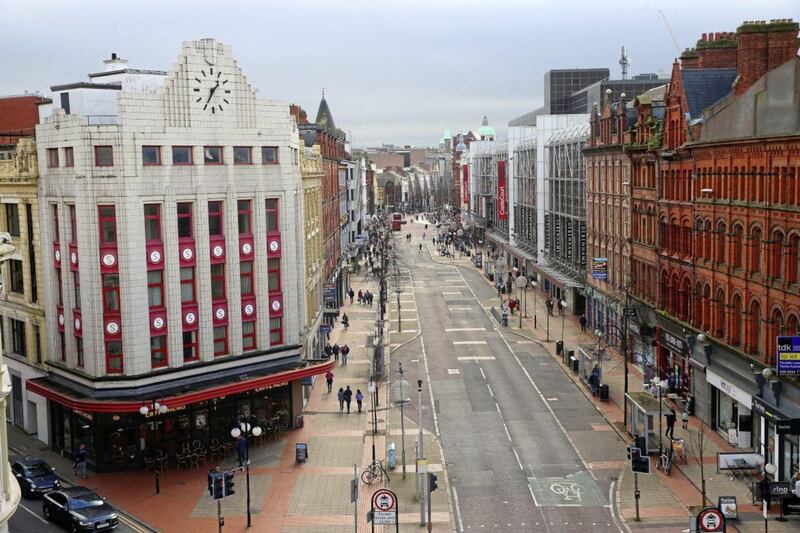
(603, 392)
(301, 452)
(690, 404)
(391, 454)
(575, 365)
(559, 347)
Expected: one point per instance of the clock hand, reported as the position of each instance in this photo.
(211, 94)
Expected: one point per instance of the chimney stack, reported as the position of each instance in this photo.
(715, 50)
(763, 47)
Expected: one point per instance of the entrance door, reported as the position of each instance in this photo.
(16, 396)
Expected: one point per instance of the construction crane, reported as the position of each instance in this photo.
(671, 33)
(624, 62)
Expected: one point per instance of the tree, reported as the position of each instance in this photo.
(697, 447)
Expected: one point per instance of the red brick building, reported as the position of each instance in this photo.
(19, 116)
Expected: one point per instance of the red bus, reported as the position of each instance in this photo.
(397, 221)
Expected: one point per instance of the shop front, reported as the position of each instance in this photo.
(778, 436)
(732, 416)
(118, 435)
(673, 362)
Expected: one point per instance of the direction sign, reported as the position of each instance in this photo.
(711, 520)
(384, 500)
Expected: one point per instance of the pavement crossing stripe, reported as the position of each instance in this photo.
(526, 342)
(465, 329)
(469, 342)
(453, 286)
(446, 292)
(477, 358)
(459, 309)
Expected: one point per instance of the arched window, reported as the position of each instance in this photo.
(707, 241)
(720, 242)
(686, 300)
(755, 249)
(663, 287)
(776, 256)
(697, 305)
(719, 312)
(776, 329)
(736, 246)
(792, 325)
(674, 298)
(793, 259)
(754, 329)
(736, 326)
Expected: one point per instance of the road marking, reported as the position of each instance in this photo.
(517, 456)
(450, 292)
(469, 342)
(526, 342)
(490, 390)
(482, 374)
(452, 371)
(452, 286)
(551, 399)
(465, 329)
(39, 518)
(477, 358)
(458, 512)
(459, 309)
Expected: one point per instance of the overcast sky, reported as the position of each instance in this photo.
(394, 71)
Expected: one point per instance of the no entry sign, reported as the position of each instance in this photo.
(710, 520)
(384, 507)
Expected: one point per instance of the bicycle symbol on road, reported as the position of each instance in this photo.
(568, 491)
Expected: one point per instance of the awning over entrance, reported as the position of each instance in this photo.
(49, 388)
(558, 277)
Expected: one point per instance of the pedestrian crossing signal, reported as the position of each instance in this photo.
(228, 487)
(215, 485)
(432, 482)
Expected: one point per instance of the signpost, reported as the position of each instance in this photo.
(788, 356)
(384, 509)
(711, 520)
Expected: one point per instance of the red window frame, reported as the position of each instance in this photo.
(222, 339)
(52, 158)
(221, 156)
(271, 215)
(216, 212)
(79, 350)
(161, 350)
(76, 287)
(188, 216)
(265, 161)
(73, 225)
(56, 229)
(60, 290)
(63, 347)
(249, 338)
(247, 276)
(111, 358)
(246, 213)
(191, 156)
(271, 269)
(218, 276)
(102, 219)
(192, 345)
(69, 157)
(153, 217)
(97, 149)
(188, 281)
(109, 290)
(249, 155)
(155, 285)
(158, 156)
(275, 330)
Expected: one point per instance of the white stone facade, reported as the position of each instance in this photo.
(205, 101)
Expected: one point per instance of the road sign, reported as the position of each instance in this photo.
(710, 520)
(384, 507)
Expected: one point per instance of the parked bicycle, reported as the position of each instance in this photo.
(666, 456)
(374, 471)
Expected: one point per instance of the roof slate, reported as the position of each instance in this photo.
(705, 87)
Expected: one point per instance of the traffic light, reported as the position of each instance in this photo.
(228, 489)
(628, 449)
(215, 485)
(432, 484)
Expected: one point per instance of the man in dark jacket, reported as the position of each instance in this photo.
(348, 397)
(671, 417)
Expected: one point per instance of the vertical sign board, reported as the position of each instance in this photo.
(384, 508)
(788, 356)
(599, 267)
(727, 504)
(582, 243)
(502, 212)
(465, 186)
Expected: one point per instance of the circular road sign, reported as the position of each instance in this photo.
(384, 500)
(711, 520)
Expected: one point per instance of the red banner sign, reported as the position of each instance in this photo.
(465, 183)
(502, 214)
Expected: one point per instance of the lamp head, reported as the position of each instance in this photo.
(143, 410)
(257, 431)
(768, 372)
(702, 338)
(235, 432)
(771, 469)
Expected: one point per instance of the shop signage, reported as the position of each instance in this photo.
(582, 243)
(465, 186)
(546, 233)
(788, 426)
(599, 267)
(557, 235)
(788, 356)
(673, 343)
(729, 389)
(766, 410)
(727, 504)
(84, 414)
(273, 386)
(329, 295)
(152, 412)
(778, 490)
(569, 240)
(502, 214)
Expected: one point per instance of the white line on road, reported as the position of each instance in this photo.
(534, 499)
(469, 342)
(450, 292)
(482, 374)
(508, 434)
(452, 286)
(490, 390)
(459, 309)
(477, 358)
(39, 518)
(458, 513)
(464, 329)
(517, 456)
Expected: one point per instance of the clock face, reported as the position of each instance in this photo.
(211, 90)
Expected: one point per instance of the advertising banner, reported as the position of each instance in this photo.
(788, 356)
(599, 267)
(502, 213)
(465, 184)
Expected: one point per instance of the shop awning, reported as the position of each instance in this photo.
(50, 389)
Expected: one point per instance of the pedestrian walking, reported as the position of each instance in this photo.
(359, 399)
(328, 350)
(685, 419)
(345, 320)
(671, 417)
(345, 353)
(336, 350)
(329, 380)
(371, 296)
(360, 296)
(560, 306)
(433, 240)
(340, 395)
(351, 294)
(583, 323)
(420, 248)
(241, 450)
(348, 397)
(79, 466)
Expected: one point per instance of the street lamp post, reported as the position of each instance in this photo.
(373, 388)
(563, 307)
(534, 284)
(521, 282)
(661, 386)
(246, 428)
(157, 409)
